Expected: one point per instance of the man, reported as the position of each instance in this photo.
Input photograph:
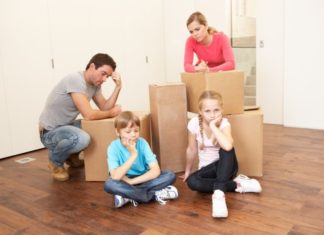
(60, 132)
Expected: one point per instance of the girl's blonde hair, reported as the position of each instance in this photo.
(209, 94)
(201, 19)
(124, 118)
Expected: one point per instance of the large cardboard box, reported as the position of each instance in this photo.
(102, 132)
(247, 132)
(168, 105)
(230, 84)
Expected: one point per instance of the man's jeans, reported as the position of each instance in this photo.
(144, 192)
(64, 141)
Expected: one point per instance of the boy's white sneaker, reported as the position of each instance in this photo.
(247, 185)
(120, 201)
(167, 193)
(219, 204)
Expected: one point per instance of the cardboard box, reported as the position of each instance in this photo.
(168, 105)
(102, 132)
(230, 84)
(247, 132)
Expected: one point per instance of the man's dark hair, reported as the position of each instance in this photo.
(101, 59)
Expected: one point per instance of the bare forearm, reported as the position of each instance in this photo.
(151, 174)
(99, 114)
(190, 157)
(224, 141)
(120, 172)
(111, 101)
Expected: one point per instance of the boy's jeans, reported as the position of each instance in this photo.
(64, 141)
(143, 192)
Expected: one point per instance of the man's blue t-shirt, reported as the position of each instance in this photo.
(118, 154)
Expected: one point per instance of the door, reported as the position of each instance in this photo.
(26, 70)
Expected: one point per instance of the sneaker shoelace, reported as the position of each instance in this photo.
(160, 200)
(133, 202)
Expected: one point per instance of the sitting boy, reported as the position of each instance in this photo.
(135, 173)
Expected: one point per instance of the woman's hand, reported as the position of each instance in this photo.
(202, 67)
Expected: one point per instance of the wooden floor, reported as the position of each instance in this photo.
(292, 201)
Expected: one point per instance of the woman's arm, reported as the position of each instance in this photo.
(188, 56)
(228, 55)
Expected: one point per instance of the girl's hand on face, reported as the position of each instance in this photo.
(216, 122)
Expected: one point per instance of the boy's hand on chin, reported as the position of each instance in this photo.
(130, 145)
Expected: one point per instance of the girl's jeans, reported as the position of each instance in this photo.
(217, 175)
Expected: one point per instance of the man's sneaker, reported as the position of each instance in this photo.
(219, 204)
(247, 185)
(58, 172)
(120, 201)
(74, 161)
(167, 193)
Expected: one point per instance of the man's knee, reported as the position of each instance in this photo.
(84, 139)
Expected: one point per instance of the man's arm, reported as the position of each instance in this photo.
(108, 107)
(106, 104)
(88, 113)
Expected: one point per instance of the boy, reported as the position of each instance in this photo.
(135, 174)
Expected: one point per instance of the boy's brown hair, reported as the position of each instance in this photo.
(124, 118)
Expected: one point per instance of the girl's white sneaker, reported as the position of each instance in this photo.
(219, 204)
(247, 185)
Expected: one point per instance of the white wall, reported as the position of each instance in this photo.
(290, 65)
(33, 32)
(133, 36)
(176, 14)
(270, 59)
(25, 71)
(304, 70)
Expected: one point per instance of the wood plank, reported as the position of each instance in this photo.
(291, 202)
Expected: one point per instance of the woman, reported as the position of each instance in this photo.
(212, 48)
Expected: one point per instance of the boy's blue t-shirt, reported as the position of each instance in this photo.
(118, 154)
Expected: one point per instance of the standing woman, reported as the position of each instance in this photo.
(212, 48)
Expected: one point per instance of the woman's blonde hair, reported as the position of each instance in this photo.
(209, 94)
(201, 19)
(124, 118)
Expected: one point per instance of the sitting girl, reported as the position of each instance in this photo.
(210, 138)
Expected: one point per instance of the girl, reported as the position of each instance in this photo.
(212, 48)
(210, 137)
(134, 170)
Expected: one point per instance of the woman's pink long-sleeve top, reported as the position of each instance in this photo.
(218, 55)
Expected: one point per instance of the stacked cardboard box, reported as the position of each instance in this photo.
(168, 105)
(247, 126)
(247, 132)
(102, 132)
(229, 84)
